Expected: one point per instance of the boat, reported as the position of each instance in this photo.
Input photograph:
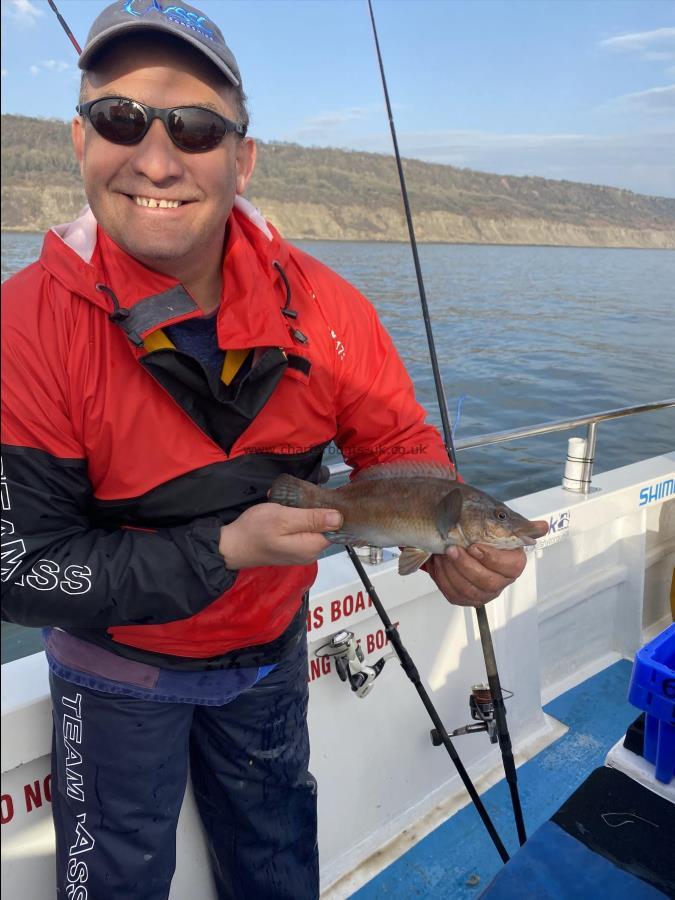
(595, 590)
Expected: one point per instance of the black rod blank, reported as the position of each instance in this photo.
(65, 27)
(442, 404)
(503, 735)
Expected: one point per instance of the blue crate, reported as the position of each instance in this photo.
(652, 689)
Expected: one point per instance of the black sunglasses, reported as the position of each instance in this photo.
(193, 129)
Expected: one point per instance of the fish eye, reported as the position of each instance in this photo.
(501, 514)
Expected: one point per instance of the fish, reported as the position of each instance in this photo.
(418, 506)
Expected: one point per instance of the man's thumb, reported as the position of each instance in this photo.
(325, 520)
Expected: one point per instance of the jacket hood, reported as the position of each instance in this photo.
(88, 263)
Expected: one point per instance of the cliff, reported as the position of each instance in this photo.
(327, 194)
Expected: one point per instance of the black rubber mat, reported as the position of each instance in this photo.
(626, 823)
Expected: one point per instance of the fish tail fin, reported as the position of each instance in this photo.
(290, 491)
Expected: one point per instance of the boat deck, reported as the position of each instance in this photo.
(458, 860)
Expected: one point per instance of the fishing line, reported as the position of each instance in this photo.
(458, 414)
(481, 614)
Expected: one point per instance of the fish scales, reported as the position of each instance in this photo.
(370, 515)
(420, 508)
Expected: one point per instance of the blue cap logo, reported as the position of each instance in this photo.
(178, 14)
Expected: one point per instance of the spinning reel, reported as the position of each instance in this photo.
(350, 662)
(482, 708)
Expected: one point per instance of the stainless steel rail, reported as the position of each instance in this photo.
(561, 424)
(591, 421)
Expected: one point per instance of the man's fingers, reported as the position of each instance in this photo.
(508, 563)
(477, 573)
(307, 521)
(303, 548)
(475, 576)
(455, 587)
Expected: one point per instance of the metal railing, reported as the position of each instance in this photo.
(587, 459)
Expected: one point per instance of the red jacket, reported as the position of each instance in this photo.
(120, 462)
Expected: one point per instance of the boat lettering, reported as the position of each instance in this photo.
(349, 605)
(559, 522)
(318, 666)
(6, 809)
(314, 618)
(34, 794)
(658, 491)
(376, 640)
(558, 529)
(338, 609)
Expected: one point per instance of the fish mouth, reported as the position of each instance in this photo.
(529, 532)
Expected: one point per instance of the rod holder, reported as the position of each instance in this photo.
(373, 556)
(579, 463)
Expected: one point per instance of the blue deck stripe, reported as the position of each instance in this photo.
(457, 860)
(554, 865)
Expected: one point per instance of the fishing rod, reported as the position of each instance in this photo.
(64, 25)
(483, 625)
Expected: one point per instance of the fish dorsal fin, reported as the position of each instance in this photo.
(406, 469)
(448, 512)
(411, 559)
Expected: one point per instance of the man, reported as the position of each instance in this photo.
(165, 359)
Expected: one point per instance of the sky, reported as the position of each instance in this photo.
(582, 90)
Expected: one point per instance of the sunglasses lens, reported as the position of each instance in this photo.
(123, 121)
(195, 130)
(118, 120)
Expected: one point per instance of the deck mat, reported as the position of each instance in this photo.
(626, 823)
(457, 860)
(555, 866)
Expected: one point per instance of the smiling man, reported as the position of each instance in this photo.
(166, 358)
(167, 209)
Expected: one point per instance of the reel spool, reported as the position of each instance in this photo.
(482, 709)
(350, 662)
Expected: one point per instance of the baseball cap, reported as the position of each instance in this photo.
(179, 19)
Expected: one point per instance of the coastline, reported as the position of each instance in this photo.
(667, 244)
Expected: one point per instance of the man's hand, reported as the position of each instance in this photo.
(474, 576)
(272, 535)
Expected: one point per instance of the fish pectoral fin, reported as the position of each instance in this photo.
(411, 559)
(344, 537)
(448, 512)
